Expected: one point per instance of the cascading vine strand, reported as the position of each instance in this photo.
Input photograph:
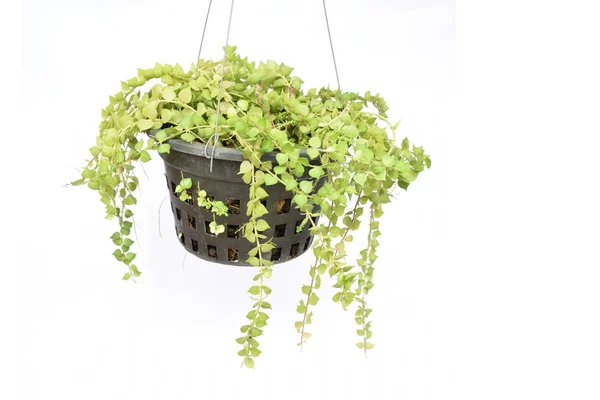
(335, 153)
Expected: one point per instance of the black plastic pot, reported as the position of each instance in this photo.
(224, 184)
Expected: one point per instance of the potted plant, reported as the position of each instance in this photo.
(257, 168)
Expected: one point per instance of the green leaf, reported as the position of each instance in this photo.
(313, 299)
(255, 290)
(287, 147)
(249, 363)
(126, 276)
(168, 93)
(197, 119)
(243, 105)
(253, 261)
(149, 111)
(165, 115)
(215, 228)
(260, 193)
(300, 199)
(186, 122)
(254, 351)
(266, 305)
(281, 158)
(350, 131)
(301, 308)
(312, 153)
(145, 156)
(306, 186)
(301, 109)
(95, 150)
(164, 148)
(360, 178)
(261, 315)
(184, 95)
(255, 332)
(316, 172)
(245, 166)
(88, 173)
(186, 183)
(262, 225)
(270, 180)
(161, 135)
(314, 142)
(242, 339)
(129, 200)
(289, 182)
(145, 124)
(388, 161)
(188, 137)
(322, 268)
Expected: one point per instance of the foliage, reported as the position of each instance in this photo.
(263, 108)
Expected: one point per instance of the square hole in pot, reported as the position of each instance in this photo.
(178, 213)
(283, 206)
(190, 200)
(264, 202)
(182, 238)
(297, 227)
(212, 251)
(194, 245)
(233, 231)
(294, 250)
(232, 255)
(307, 244)
(279, 230)
(191, 222)
(276, 254)
(233, 205)
(173, 187)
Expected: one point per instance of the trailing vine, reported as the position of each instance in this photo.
(335, 152)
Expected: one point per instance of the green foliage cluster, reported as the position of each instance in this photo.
(263, 108)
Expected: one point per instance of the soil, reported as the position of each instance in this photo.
(232, 255)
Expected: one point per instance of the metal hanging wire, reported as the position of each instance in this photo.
(215, 136)
(337, 76)
(204, 29)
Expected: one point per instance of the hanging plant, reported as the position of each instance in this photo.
(328, 156)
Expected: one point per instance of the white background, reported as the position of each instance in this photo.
(488, 280)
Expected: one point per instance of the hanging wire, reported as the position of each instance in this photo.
(215, 136)
(337, 77)
(204, 30)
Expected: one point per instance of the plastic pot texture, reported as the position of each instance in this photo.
(224, 184)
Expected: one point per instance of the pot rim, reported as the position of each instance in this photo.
(220, 153)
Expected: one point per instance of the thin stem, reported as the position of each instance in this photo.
(345, 233)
